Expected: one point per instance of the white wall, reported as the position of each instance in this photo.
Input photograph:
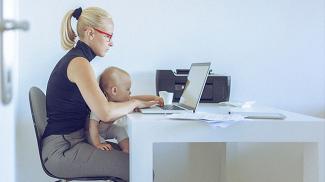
(273, 50)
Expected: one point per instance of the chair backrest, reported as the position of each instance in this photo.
(37, 101)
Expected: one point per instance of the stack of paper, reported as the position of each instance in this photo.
(218, 120)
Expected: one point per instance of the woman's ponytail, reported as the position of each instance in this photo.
(68, 36)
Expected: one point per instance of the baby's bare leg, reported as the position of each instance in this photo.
(124, 144)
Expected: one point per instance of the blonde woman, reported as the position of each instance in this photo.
(72, 92)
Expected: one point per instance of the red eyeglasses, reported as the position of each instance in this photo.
(107, 35)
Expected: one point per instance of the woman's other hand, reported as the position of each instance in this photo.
(145, 104)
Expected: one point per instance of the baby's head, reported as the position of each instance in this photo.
(115, 84)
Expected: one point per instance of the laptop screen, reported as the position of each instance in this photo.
(194, 85)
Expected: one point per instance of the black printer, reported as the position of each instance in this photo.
(216, 89)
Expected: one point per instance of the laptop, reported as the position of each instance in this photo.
(191, 95)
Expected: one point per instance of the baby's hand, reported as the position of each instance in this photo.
(104, 146)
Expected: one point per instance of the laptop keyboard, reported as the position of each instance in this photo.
(171, 107)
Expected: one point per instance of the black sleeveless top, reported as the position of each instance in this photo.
(67, 111)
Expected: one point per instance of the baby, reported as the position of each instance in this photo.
(115, 83)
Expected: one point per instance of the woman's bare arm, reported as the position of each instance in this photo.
(80, 72)
(144, 97)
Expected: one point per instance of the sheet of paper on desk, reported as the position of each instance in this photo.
(223, 124)
(217, 120)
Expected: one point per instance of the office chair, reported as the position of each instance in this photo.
(37, 103)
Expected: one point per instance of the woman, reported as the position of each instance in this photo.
(73, 91)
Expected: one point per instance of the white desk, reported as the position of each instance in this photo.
(145, 130)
